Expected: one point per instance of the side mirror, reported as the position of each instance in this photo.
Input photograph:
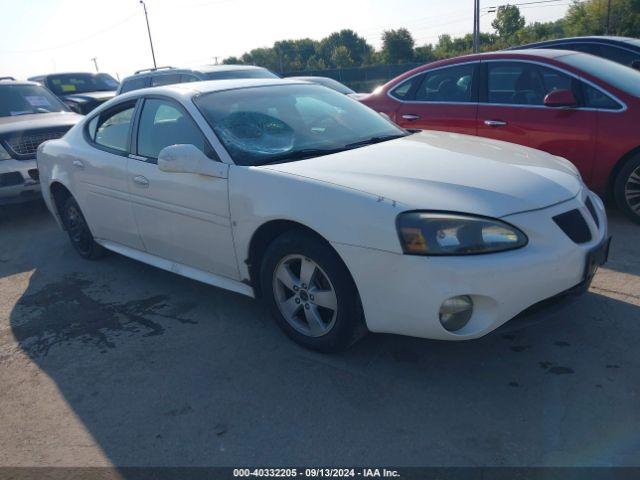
(189, 159)
(560, 98)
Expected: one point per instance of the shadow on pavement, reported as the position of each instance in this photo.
(162, 370)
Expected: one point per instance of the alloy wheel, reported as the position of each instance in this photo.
(305, 295)
(632, 190)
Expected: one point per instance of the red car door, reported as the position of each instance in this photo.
(444, 98)
(512, 109)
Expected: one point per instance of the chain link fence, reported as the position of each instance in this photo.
(360, 79)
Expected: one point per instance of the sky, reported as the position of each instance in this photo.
(43, 36)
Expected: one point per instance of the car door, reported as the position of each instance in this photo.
(444, 98)
(512, 109)
(101, 178)
(182, 217)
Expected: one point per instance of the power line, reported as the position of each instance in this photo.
(57, 47)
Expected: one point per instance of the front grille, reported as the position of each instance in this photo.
(574, 225)
(592, 211)
(11, 179)
(26, 144)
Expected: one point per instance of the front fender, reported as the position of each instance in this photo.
(340, 215)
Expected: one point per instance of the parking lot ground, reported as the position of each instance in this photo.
(118, 363)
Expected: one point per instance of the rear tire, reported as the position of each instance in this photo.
(79, 233)
(626, 189)
(310, 293)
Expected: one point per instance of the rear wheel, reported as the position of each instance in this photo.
(627, 189)
(310, 293)
(78, 231)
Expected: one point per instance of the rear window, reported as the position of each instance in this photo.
(617, 75)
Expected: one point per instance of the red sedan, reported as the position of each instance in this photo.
(578, 106)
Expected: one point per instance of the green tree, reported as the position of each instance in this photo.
(508, 21)
(424, 54)
(359, 50)
(341, 57)
(590, 18)
(397, 46)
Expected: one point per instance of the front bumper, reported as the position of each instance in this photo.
(402, 294)
(19, 181)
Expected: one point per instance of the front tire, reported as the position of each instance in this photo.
(79, 233)
(627, 189)
(310, 293)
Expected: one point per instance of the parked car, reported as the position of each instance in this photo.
(154, 77)
(326, 82)
(622, 50)
(81, 92)
(303, 195)
(574, 105)
(29, 115)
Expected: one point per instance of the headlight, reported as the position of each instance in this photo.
(4, 155)
(425, 233)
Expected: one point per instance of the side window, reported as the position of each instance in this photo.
(520, 83)
(451, 84)
(163, 124)
(401, 92)
(619, 55)
(134, 84)
(166, 79)
(594, 98)
(112, 128)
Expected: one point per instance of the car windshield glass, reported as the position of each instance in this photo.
(261, 125)
(67, 84)
(242, 73)
(25, 99)
(617, 75)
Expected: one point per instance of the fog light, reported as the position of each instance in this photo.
(456, 312)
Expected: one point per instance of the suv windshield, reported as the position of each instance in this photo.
(241, 73)
(25, 99)
(615, 74)
(279, 123)
(70, 83)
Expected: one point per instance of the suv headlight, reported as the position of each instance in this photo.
(4, 155)
(426, 233)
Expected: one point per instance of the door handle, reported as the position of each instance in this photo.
(495, 123)
(78, 164)
(410, 117)
(140, 180)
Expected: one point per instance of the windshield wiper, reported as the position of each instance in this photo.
(304, 153)
(372, 140)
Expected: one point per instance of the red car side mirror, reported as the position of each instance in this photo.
(560, 98)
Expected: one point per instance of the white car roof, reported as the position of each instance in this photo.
(187, 90)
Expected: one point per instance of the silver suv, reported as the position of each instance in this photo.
(155, 77)
(29, 115)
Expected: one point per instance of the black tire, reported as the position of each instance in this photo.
(79, 233)
(623, 183)
(348, 324)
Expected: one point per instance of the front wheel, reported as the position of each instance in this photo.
(310, 293)
(78, 231)
(627, 189)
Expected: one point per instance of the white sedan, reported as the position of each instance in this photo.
(343, 222)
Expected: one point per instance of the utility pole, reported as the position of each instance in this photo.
(476, 26)
(608, 16)
(95, 62)
(216, 60)
(146, 16)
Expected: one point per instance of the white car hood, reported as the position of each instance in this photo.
(446, 171)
